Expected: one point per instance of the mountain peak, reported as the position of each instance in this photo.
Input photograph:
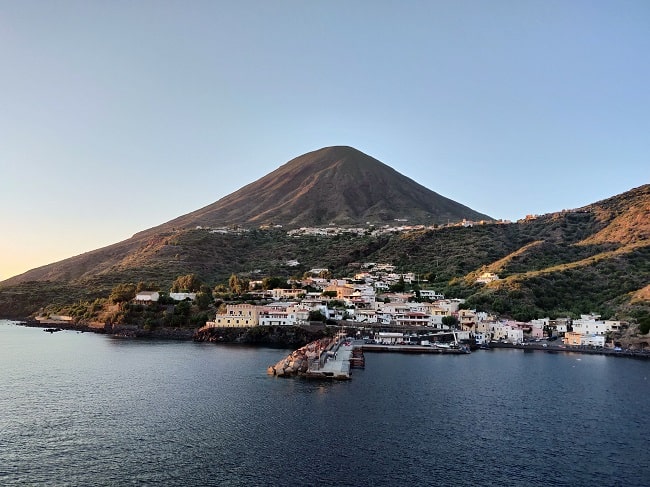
(337, 184)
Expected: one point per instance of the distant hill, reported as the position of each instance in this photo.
(339, 185)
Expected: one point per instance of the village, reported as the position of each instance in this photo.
(366, 302)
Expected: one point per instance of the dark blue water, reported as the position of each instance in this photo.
(85, 409)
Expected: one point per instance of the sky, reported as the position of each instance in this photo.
(117, 116)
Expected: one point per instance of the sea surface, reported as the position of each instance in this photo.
(81, 409)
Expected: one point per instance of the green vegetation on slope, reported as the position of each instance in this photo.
(556, 265)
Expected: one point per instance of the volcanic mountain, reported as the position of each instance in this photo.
(332, 185)
(339, 185)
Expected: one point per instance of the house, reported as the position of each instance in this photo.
(182, 296)
(274, 316)
(450, 305)
(590, 325)
(279, 293)
(487, 277)
(342, 291)
(318, 270)
(572, 338)
(515, 335)
(147, 297)
(561, 325)
(467, 319)
(431, 295)
(236, 316)
(481, 338)
(365, 316)
(593, 340)
(381, 286)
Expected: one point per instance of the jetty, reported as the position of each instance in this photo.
(454, 350)
(323, 359)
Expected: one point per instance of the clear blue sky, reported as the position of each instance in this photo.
(116, 116)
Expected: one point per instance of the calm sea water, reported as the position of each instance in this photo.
(85, 409)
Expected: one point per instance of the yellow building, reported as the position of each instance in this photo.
(237, 316)
(572, 338)
(342, 292)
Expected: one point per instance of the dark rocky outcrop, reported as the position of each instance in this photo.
(269, 336)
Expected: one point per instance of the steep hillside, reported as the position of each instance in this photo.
(596, 258)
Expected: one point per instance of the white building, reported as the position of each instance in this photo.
(364, 315)
(450, 305)
(145, 297)
(431, 295)
(182, 296)
(487, 277)
(481, 338)
(593, 325)
(388, 338)
(593, 340)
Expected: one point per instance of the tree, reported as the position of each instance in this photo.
(273, 283)
(203, 300)
(147, 286)
(122, 293)
(189, 283)
(220, 289)
(400, 286)
(245, 285)
(234, 284)
(316, 316)
(450, 321)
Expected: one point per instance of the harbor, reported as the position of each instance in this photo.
(334, 358)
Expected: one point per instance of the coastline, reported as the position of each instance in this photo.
(121, 331)
(282, 337)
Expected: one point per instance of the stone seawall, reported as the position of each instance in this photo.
(269, 336)
(298, 362)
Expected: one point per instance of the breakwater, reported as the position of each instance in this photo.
(328, 358)
(301, 360)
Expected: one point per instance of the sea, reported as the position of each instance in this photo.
(83, 409)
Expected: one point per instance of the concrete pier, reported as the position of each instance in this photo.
(328, 358)
(334, 363)
(415, 349)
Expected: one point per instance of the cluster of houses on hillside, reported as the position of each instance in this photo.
(400, 226)
(331, 230)
(364, 301)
